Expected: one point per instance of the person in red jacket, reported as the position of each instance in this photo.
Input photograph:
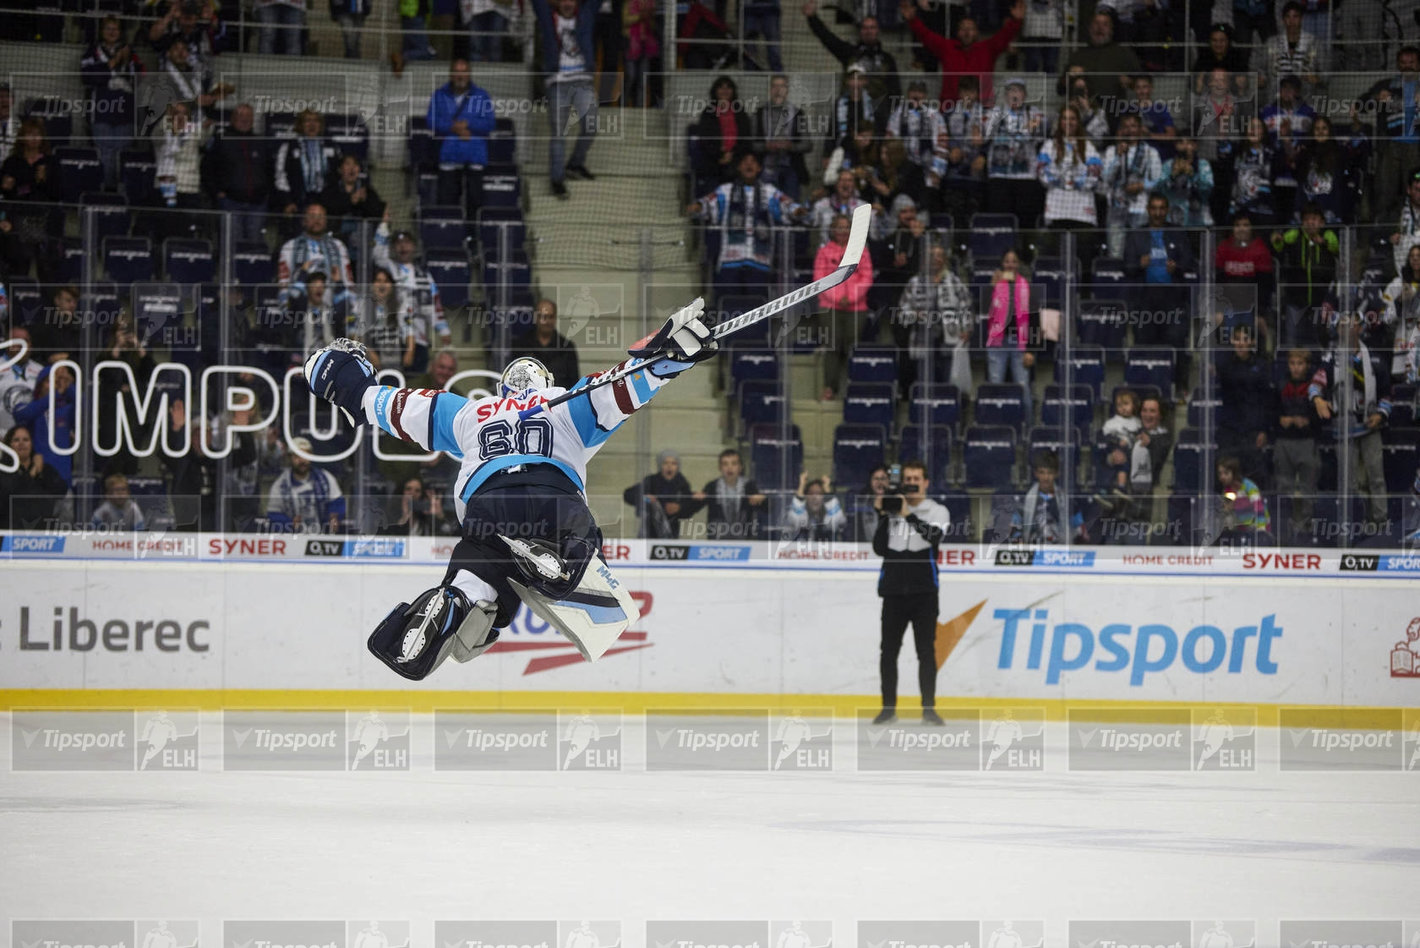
(1246, 260)
(965, 55)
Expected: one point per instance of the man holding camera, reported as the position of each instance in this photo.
(910, 528)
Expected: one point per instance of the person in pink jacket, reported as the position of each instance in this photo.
(1008, 328)
(844, 306)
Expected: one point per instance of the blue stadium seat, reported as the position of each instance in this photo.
(423, 146)
(78, 170)
(1203, 408)
(776, 460)
(502, 150)
(441, 227)
(873, 364)
(136, 170)
(1001, 403)
(1103, 323)
(107, 301)
(1086, 368)
(930, 445)
(869, 403)
(1003, 504)
(252, 264)
(935, 404)
(958, 503)
(857, 449)
(189, 261)
(515, 273)
(991, 236)
(752, 363)
(452, 274)
(1150, 366)
(502, 190)
(111, 214)
(989, 454)
(1108, 279)
(1075, 408)
(493, 222)
(1188, 474)
(157, 313)
(26, 300)
(71, 260)
(129, 259)
(426, 188)
(761, 403)
(1047, 284)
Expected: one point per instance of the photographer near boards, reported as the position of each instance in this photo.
(909, 531)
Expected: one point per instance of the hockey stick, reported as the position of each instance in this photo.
(852, 253)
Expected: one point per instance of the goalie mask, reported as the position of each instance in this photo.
(524, 373)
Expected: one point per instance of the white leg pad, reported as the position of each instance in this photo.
(593, 616)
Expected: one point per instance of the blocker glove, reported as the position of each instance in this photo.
(684, 339)
(340, 374)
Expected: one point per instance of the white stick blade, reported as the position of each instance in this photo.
(858, 236)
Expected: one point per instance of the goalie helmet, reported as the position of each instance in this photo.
(524, 373)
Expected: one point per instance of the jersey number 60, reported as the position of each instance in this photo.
(531, 436)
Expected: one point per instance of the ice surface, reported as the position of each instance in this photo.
(638, 844)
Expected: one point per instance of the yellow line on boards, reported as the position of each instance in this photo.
(1162, 712)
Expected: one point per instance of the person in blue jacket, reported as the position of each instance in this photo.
(461, 116)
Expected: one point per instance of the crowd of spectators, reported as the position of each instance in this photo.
(1136, 178)
(1241, 156)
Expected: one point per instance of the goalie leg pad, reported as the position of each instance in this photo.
(592, 616)
(415, 638)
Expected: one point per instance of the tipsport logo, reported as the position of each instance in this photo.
(487, 740)
(1114, 739)
(373, 742)
(1336, 933)
(800, 743)
(959, 933)
(285, 933)
(708, 934)
(912, 746)
(998, 740)
(110, 933)
(1343, 739)
(1140, 933)
(588, 934)
(467, 933)
(104, 741)
(589, 742)
(315, 740)
(734, 741)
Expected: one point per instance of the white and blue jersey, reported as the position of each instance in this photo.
(489, 434)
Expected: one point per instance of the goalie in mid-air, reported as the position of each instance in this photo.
(527, 531)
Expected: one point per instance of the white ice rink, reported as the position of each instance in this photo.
(635, 845)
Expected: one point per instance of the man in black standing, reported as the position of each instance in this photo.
(908, 534)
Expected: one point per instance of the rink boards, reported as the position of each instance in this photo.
(247, 621)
